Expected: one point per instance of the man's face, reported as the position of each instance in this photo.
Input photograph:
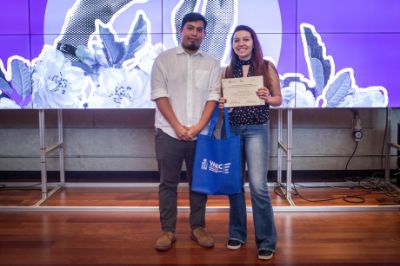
(192, 35)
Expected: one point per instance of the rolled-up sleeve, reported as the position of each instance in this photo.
(158, 83)
(215, 83)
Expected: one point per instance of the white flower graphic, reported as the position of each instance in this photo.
(56, 83)
(6, 103)
(375, 96)
(297, 95)
(120, 88)
(145, 57)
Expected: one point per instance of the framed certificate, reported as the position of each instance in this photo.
(242, 91)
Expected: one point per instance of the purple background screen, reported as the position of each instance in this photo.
(363, 35)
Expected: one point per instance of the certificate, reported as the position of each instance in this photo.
(242, 91)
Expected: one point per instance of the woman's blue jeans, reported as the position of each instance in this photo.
(255, 152)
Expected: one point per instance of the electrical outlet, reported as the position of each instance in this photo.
(357, 127)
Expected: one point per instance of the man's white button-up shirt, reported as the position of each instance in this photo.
(189, 81)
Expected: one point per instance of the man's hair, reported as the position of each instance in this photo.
(193, 16)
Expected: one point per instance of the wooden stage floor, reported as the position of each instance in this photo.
(128, 237)
(143, 196)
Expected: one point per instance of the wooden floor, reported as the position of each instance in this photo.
(148, 196)
(127, 238)
(112, 238)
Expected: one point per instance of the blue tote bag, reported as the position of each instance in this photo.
(216, 169)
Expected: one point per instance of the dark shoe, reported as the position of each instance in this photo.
(165, 241)
(233, 244)
(264, 254)
(202, 238)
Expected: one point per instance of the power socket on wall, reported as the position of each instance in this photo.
(357, 132)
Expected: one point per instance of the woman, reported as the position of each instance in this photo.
(252, 124)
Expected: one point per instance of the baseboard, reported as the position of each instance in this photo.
(153, 176)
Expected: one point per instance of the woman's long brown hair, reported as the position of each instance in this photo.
(257, 59)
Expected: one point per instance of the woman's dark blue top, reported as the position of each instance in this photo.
(247, 115)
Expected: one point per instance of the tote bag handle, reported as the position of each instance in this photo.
(214, 120)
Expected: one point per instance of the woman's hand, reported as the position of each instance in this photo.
(264, 94)
(221, 103)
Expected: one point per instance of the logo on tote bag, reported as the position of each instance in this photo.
(215, 167)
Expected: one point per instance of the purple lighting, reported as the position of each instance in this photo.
(331, 53)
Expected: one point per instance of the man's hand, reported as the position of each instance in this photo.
(193, 131)
(182, 133)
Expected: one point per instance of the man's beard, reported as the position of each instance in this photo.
(192, 47)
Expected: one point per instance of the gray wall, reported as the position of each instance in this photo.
(122, 140)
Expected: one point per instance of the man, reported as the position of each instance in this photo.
(185, 83)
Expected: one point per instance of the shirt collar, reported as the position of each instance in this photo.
(180, 50)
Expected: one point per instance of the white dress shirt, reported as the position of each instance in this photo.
(189, 81)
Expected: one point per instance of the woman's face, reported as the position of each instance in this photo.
(243, 44)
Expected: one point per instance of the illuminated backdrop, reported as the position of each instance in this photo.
(98, 54)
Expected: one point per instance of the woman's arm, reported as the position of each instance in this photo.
(272, 94)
